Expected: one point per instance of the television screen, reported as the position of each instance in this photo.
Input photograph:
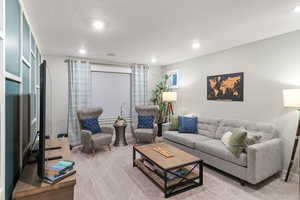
(41, 148)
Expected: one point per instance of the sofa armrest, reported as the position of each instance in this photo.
(86, 133)
(86, 137)
(165, 127)
(106, 129)
(264, 160)
(133, 127)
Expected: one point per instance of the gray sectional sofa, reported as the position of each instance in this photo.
(260, 161)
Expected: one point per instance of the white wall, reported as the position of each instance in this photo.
(57, 98)
(57, 102)
(269, 66)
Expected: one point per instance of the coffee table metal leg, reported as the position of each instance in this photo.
(133, 158)
(165, 186)
(200, 173)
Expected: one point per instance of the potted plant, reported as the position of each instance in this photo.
(156, 99)
(120, 121)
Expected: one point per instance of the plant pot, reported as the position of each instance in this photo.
(159, 132)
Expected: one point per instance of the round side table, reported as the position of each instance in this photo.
(120, 134)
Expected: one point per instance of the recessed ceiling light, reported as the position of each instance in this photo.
(98, 25)
(153, 60)
(82, 51)
(196, 45)
(297, 9)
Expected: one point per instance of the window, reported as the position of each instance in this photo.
(111, 90)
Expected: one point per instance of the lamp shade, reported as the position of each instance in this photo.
(169, 96)
(291, 98)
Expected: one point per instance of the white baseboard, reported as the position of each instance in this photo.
(293, 177)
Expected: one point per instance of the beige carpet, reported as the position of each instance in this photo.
(110, 176)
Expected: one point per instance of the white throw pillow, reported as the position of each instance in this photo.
(226, 137)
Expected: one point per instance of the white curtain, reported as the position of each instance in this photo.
(79, 95)
(140, 78)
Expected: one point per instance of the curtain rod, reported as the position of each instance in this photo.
(102, 62)
(98, 62)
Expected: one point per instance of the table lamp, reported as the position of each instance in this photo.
(291, 98)
(169, 97)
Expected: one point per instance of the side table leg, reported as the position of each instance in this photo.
(124, 137)
(117, 139)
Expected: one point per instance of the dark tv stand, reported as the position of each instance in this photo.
(53, 158)
(29, 185)
(47, 159)
(52, 148)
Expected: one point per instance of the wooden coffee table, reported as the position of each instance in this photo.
(164, 172)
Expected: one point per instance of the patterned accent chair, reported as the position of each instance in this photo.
(141, 134)
(91, 141)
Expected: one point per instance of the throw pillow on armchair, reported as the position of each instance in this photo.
(91, 124)
(145, 121)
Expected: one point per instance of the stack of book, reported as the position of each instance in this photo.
(159, 172)
(59, 171)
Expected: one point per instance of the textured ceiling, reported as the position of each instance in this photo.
(137, 30)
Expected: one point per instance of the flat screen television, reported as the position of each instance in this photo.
(42, 130)
(41, 134)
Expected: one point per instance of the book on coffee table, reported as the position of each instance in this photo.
(163, 152)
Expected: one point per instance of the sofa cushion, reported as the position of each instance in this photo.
(218, 149)
(267, 131)
(184, 139)
(187, 124)
(101, 139)
(144, 131)
(208, 127)
(144, 134)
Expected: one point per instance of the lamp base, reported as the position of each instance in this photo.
(293, 152)
(170, 111)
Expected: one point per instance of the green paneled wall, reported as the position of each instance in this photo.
(12, 122)
(26, 39)
(26, 120)
(38, 57)
(26, 79)
(14, 98)
(12, 47)
(33, 47)
(33, 96)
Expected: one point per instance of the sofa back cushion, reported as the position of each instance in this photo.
(208, 126)
(267, 131)
(187, 124)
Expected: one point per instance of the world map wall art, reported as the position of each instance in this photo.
(226, 87)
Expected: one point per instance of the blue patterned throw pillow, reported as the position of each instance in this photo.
(91, 124)
(187, 124)
(145, 121)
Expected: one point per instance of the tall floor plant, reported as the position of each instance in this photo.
(161, 86)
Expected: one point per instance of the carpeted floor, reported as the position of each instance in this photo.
(110, 176)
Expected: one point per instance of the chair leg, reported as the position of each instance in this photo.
(109, 148)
